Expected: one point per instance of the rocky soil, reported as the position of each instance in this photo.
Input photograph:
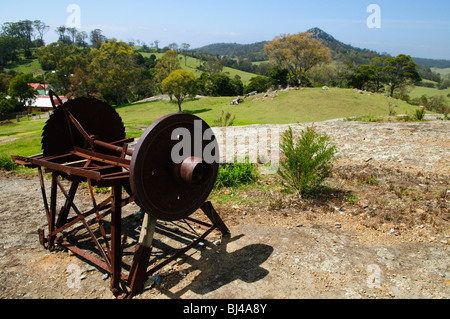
(380, 230)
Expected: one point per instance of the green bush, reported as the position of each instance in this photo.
(307, 162)
(236, 174)
(420, 113)
(7, 164)
(225, 119)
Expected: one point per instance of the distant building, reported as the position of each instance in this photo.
(42, 89)
(41, 101)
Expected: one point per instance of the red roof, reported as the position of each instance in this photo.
(37, 85)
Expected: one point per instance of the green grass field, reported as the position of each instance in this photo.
(308, 105)
(191, 64)
(418, 91)
(441, 71)
(300, 106)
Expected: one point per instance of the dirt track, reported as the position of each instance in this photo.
(281, 253)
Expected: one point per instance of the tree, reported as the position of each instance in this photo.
(62, 59)
(63, 35)
(19, 88)
(219, 85)
(97, 38)
(167, 64)
(213, 65)
(400, 71)
(22, 31)
(259, 84)
(185, 47)
(363, 77)
(114, 70)
(41, 28)
(179, 83)
(80, 39)
(297, 53)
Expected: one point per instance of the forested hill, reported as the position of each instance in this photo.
(345, 52)
(431, 63)
(255, 51)
(340, 51)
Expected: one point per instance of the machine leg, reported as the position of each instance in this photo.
(116, 243)
(209, 211)
(138, 272)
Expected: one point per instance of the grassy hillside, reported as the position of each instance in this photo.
(308, 105)
(418, 91)
(191, 64)
(441, 71)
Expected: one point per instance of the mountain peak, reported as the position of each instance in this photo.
(321, 35)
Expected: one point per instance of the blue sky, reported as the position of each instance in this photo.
(417, 28)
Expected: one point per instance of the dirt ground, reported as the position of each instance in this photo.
(379, 230)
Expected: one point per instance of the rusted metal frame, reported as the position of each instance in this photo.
(116, 175)
(103, 158)
(93, 259)
(62, 217)
(52, 94)
(114, 179)
(116, 243)
(126, 151)
(102, 206)
(209, 210)
(197, 222)
(44, 195)
(75, 219)
(120, 149)
(124, 141)
(20, 160)
(80, 128)
(96, 167)
(82, 253)
(65, 169)
(99, 219)
(190, 227)
(82, 219)
(54, 157)
(52, 217)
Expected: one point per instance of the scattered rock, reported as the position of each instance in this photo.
(237, 101)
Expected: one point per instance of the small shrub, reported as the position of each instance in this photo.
(236, 174)
(307, 162)
(420, 113)
(7, 164)
(391, 109)
(225, 119)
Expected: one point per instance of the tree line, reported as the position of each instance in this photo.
(117, 73)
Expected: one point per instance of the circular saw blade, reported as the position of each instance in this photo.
(97, 118)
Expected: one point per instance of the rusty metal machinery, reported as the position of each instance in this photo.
(84, 141)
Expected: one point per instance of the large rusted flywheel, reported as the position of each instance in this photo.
(167, 188)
